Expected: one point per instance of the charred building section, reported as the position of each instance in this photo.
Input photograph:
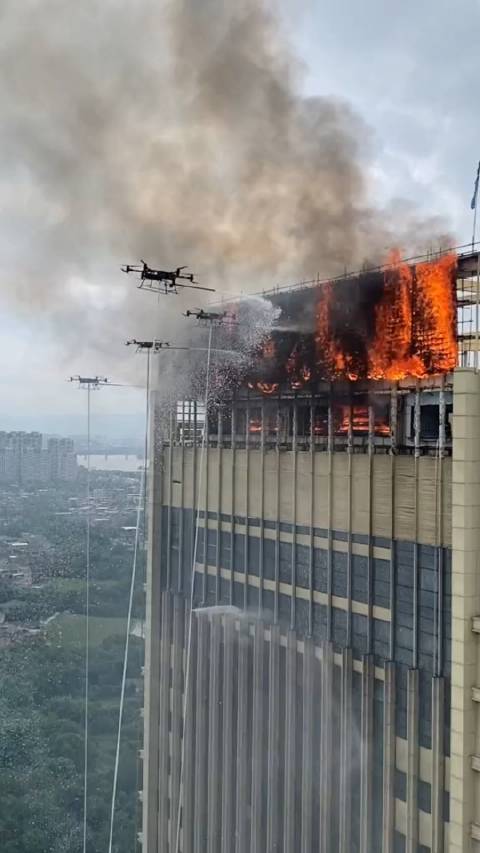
(385, 324)
(327, 634)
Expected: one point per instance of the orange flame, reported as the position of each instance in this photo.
(437, 310)
(269, 352)
(325, 344)
(267, 387)
(299, 372)
(390, 355)
(414, 328)
(360, 422)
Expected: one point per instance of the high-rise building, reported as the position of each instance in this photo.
(24, 460)
(62, 460)
(314, 683)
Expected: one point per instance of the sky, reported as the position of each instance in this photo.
(411, 70)
(410, 73)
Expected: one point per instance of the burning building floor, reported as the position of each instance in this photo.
(392, 323)
(312, 596)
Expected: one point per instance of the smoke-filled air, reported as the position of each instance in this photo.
(177, 133)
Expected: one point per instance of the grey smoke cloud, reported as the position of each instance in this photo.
(176, 132)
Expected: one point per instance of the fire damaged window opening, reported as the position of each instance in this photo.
(359, 423)
(430, 422)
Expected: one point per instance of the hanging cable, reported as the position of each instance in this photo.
(145, 449)
(141, 505)
(192, 587)
(87, 632)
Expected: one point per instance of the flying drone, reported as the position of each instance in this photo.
(154, 345)
(93, 381)
(215, 317)
(163, 281)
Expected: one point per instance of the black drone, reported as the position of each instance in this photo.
(163, 281)
(215, 317)
(93, 381)
(155, 346)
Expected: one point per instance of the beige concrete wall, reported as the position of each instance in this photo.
(465, 728)
(399, 484)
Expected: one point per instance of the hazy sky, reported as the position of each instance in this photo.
(410, 71)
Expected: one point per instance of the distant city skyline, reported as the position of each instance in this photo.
(113, 426)
(31, 457)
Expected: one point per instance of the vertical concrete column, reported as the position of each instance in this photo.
(206, 484)
(232, 513)
(393, 451)
(181, 535)
(464, 784)
(366, 755)
(257, 840)
(349, 530)
(330, 449)
(219, 506)
(388, 758)
(345, 815)
(214, 741)
(416, 420)
(228, 768)
(312, 514)
(293, 598)
(371, 448)
(247, 508)
(289, 809)
(262, 513)
(278, 486)
(201, 735)
(350, 428)
(194, 479)
(308, 741)
(439, 533)
(242, 763)
(438, 763)
(273, 762)
(169, 499)
(412, 761)
(177, 711)
(164, 706)
(326, 747)
(189, 738)
(152, 655)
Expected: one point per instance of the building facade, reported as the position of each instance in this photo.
(312, 684)
(25, 460)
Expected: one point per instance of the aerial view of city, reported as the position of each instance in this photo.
(43, 511)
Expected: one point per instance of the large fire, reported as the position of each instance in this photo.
(390, 355)
(415, 321)
(389, 325)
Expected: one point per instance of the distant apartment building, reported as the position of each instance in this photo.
(61, 458)
(25, 459)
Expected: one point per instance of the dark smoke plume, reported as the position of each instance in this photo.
(176, 133)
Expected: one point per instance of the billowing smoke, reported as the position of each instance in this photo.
(174, 132)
